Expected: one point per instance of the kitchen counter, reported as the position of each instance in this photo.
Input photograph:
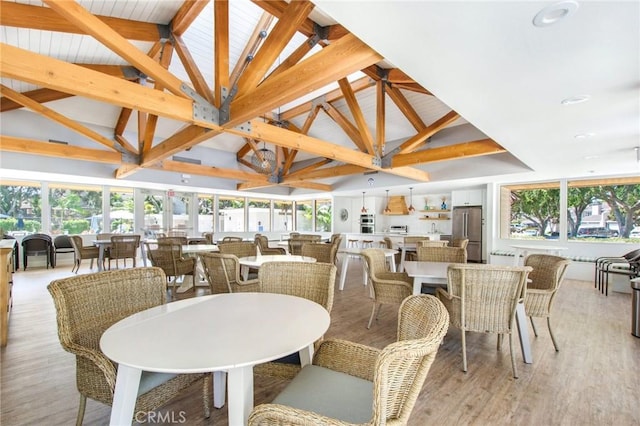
(379, 236)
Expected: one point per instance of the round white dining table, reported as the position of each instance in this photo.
(256, 261)
(243, 329)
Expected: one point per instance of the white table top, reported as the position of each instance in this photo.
(357, 251)
(199, 248)
(243, 329)
(435, 270)
(257, 261)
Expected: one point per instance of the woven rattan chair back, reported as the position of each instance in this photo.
(82, 252)
(398, 371)
(86, 305)
(208, 236)
(223, 274)
(414, 239)
(324, 253)
(460, 242)
(385, 287)
(124, 247)
(483, 298)
(183, 241)
(262, 242)
(442, 254)
(544, 281)
(402, 367)
(239, 248)
(168, 257)
(230, 239)
(177, 233)
(433, 243)
(312, 281)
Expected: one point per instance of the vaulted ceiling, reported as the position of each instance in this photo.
(142, 89)
(253, 78)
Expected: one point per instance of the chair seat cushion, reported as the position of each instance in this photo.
(150, 380)
(330, 393)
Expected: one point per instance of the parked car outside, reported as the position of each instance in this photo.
(635, 233)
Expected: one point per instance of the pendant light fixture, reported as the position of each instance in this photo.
(364, 209)
(411, 208)
(387, 210)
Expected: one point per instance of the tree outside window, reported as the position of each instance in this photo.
(323, 215)
(304, 216)
(73, 208)
(20, 207)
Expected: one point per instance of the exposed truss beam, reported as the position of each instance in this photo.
(48, 149)
(187, 14)
(43, 18)
(221, 51)
(445, 153)
(202, 170)
(418, 140)
(356, 112)
(39, 95)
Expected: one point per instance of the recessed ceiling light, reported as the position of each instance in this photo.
(575, 99)
(554, 13)
(584, 135)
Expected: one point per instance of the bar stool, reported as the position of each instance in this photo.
(382, 244)
(353, 243)
(367, 244)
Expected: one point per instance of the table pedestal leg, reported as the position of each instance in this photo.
(219, 388)
(403, 253)
(240, 384)
(343, 272)
(100, 257)
(125, 395)
(306, 355)
(523, 331)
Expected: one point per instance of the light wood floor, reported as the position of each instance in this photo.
(593, 380)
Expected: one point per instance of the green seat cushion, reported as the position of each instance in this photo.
(330, 393)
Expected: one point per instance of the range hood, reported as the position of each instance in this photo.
(397, 205)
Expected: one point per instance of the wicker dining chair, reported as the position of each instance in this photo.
(432, 243)
(483, 298)
(124, 247)
(312, 281)
(544, 281)
(83, 252)
(386, 287)
(349, 383)
(183, 241)
(223, 274)
(262, 242)
(442, 254)
(86, 305)
(231, 239)
(460, 242)
(168, 257)
(325, 253)
(62, 244)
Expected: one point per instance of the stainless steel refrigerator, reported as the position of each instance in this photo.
(467, 223)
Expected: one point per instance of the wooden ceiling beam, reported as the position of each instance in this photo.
(332, 96)
(49, 149)
(57, 117)
(446, 153)
(309, 185)
(335, 61)
(93, 26)
(220, 52)
(179, 141)
(324, 173)
(406, 108)
(46, 19)
(38, 95)
(185, 16)
(412, 87)
(196, 77)
(278, 8)
(244, 186)
(356, 112)
(210, 171)
(308, 168)
(380, 116)
(295, 13)
(252, 46)
(295, 57)
(45, 71)
(346, 126)
(418, 140)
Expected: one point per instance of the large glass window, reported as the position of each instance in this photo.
(205, 212)
(230, 214)
(121, 206)
(259, 215)
(73, 208)
(304, 216)
(603, 210)
(323, 215)
(283, 216)
(153, 213)
(180, 204)
(20, 207)
(530, 211)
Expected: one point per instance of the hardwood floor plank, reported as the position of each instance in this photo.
(593, 380)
